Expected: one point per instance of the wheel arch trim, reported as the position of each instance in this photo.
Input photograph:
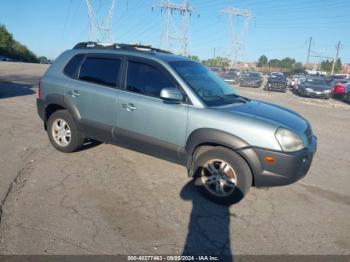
(58, 99)
(212, 137)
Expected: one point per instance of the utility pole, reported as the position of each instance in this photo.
(308, 53)
(170, 32)
(100, 31)
(336, 57)
(214, 53)
(237, 38)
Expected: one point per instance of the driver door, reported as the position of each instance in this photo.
(144, 121)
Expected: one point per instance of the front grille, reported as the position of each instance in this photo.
(277, 84)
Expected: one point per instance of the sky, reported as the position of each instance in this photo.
(280, 28)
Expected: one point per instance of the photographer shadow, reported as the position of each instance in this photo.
(208, 228)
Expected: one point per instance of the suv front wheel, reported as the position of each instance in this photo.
(63, 132)
(222, 176)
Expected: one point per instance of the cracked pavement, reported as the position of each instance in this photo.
(109, 200)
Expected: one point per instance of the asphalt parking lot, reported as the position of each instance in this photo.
(108, 200)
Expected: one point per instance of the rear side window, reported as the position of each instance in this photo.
(146, 79)
(102, 71)
(71, 69)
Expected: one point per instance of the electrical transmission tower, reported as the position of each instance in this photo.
(100, 31)
(336, 57)
(171, 32)
(237, 36)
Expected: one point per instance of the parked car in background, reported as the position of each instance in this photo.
(4, 58)
(234, 70)
(338, 87)
(294, 81)
(314, 87)
(276, 82)
(332, 78)
(231, 77)
(341, 76)
(346, 95)
(217, 70)
(251, 79)
(298, 83)
(276, 73)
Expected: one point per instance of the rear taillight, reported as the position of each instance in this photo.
(39, 89)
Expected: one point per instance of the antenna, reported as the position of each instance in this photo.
(100, 31)
(170, 32)
(237, 37)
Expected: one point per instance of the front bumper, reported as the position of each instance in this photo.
(277, 87)
(286, 169)
(317, 94)
(231, 82)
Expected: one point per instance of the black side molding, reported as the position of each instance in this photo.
(209, 136)
(58, 99)
(213, 136)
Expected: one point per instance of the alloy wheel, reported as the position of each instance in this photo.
(61, 132)
(218, 177)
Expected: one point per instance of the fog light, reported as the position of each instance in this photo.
(269, 159)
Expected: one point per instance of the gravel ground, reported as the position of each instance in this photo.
(109, 200)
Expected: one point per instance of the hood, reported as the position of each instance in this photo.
(317, 87)
(247, 78)
(280, 116)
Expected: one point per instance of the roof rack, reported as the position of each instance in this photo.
(129, 47)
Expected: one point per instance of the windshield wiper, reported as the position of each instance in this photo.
(227, 99)
(246, 99)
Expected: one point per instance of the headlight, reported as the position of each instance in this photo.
(288, 141)
(309, 89)
(327, 91)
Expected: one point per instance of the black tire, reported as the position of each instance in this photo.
(243, 175)
(76, 139)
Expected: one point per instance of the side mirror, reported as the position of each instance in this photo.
(171, 94)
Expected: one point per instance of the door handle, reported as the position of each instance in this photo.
(75, 93)
(129, 107)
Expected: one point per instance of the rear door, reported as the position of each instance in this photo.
(94, 93)
(145, 122)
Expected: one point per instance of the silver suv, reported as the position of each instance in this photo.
(169, 106)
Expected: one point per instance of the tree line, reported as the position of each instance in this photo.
(290, 65)
(326, 65)
(286, 64)
(13, 49)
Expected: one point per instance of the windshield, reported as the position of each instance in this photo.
(278, 77)
(209, 87)
(230, 75)
(316, 81)
(251, 75)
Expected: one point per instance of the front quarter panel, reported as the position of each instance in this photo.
(253, 131)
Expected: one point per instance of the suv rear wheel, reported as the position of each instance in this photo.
(222, 176)
(63, 132)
